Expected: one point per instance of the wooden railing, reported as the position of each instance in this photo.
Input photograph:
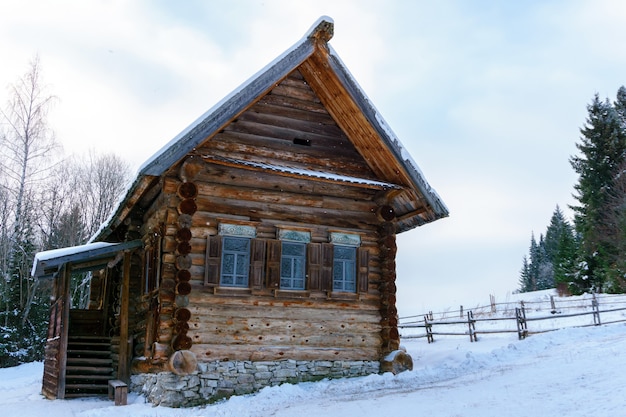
(523, 317)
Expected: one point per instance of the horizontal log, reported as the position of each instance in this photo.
(241, 177)
(323, 154)
(283, 212)
(293, 89)
(265, 306)
(319, 340)
(211, 192)
(201, 322)
(213, 352)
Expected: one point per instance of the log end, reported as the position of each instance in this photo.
(396, 362)
(183, 362)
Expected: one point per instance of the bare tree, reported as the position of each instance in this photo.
(102, 179)
(27, 142)
(26, 154)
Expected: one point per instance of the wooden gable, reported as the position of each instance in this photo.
(304, 117)
(289, 126)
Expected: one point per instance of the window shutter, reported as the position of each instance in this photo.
(362, 270)
(314, 266)
(213, 260)
(274, 251)
(327, 267)
(257, 263)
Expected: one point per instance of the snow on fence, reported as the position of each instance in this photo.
(521, 317)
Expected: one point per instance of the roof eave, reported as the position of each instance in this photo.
(435, 203)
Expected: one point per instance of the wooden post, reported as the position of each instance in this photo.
(520, 318)
(471, 324)
(429, 330)
(461, 312)
(596, 310)
(492, 301)
(123, 368)
(64, 293)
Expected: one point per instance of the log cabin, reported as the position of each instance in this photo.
(257, 247)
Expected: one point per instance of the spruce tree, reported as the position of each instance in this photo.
(551, 260)
(525, 281)
(602, 146)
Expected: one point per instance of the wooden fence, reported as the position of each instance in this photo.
(522, 317)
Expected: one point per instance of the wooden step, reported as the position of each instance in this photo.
(88, 377)
(82, 394)
(86, 387)
(88, 352)
(99, 370)
(89, 361)
(95, 339)
(91, 345)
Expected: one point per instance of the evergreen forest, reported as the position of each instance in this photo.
(588, 253)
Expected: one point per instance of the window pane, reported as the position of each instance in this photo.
(235, 261)
(298, 268)
(242, 264)
(228, 264)
(236, 244)
(344, 268)
(293, 249)
(285, 267)
(292, 265)
(345, 252)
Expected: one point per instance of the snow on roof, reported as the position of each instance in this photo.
(146, 166)
(238, 99)
(57, 257)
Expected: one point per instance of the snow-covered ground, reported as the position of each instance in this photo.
(569, 372)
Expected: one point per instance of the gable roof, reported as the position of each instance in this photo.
(345, 101)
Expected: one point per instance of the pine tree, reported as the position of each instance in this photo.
(602, 148)
(551, 260)
(525, 280)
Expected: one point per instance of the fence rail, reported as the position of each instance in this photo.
(515, 317)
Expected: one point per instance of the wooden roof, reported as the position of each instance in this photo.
(88, 257)
(306, 96)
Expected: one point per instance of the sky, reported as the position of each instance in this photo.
(487, 96)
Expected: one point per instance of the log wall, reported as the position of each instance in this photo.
(225, 323)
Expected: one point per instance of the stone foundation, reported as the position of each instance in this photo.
(216, 380)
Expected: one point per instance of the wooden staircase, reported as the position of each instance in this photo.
(89, 366)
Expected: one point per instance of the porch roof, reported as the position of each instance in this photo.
(96, 255)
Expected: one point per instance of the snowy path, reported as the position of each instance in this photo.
(573, 372)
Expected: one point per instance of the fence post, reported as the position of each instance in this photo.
(471, 324)
(552, 305)
(461, 312)
(429, 330)
(492, 301)
(596, 310)
(522, 326)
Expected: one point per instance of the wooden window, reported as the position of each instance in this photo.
(344, 268)
(235, 265)
(292, 265)
(213, 261)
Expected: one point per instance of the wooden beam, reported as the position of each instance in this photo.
(123, 368)
(64, 293)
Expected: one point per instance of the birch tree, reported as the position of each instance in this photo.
(26, 154)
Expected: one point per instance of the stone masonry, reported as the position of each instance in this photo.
(217, 380)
